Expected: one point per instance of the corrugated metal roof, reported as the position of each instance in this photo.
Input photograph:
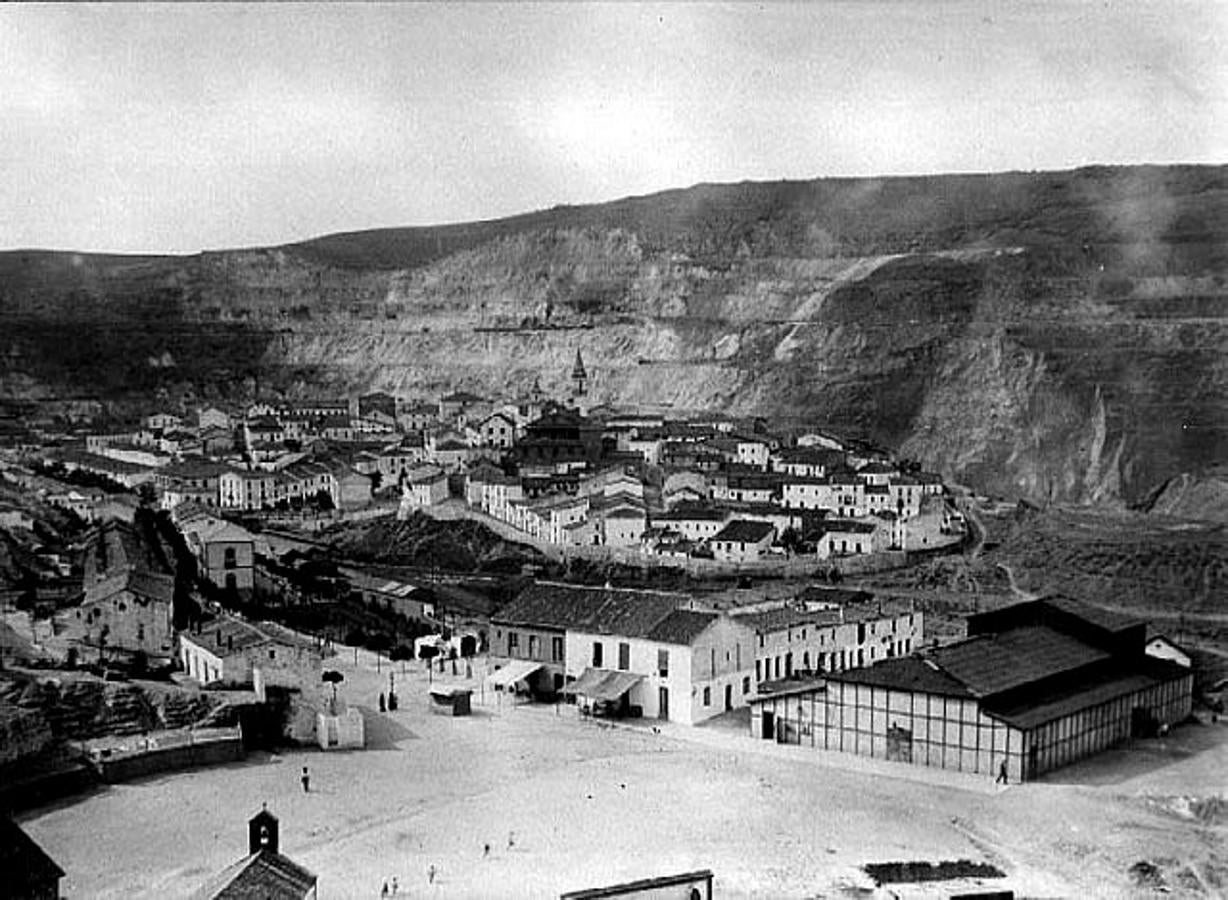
(905, 673)
(1072, 698)
(991, 663)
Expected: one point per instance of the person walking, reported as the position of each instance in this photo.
(383, 892)
(430, 874)
(486, 850)
(395, 886)
(306, 780)
(1001, 779)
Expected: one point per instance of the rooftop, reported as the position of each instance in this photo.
(744, 531)
(622, 611)
(264, 875)
(681, 626)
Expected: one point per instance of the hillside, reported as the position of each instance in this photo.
(1048, 335)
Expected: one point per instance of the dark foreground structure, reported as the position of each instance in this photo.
(1033, 686)
(687, 886)
(26, 871)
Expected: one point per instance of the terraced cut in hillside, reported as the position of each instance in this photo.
(1059, 336)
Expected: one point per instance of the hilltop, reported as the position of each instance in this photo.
(1056, 336)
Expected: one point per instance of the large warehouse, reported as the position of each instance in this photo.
(1036, 685)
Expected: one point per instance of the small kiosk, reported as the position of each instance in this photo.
(448, 700)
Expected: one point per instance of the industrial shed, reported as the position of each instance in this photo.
(1036, 685)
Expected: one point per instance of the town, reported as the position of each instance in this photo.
(176, 596)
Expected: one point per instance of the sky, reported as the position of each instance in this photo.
(181, 128)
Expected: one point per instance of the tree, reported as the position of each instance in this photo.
(333, 677)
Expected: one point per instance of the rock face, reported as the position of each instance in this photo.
(1053, 336)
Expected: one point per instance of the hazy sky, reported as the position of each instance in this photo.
(185, 127)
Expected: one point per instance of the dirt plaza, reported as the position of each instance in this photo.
(565, 803)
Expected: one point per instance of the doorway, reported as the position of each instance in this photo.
(663, 703)
(728, 697)
(769, 726)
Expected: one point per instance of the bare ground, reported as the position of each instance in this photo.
(588, 805)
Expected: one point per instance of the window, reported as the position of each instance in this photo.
(746, 684)
(534, 646)
(272, 654)
(556, 649)
(663, 663)
(707, 696)
(513, 643)
(597, 654)
(624, 656)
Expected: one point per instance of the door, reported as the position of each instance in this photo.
(728, 697)
(769, 726)
(663, 703)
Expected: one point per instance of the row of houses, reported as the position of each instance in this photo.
(670, 657)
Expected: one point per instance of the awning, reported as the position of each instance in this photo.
(516, 670)
(603, 684)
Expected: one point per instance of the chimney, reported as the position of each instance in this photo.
(262, 832)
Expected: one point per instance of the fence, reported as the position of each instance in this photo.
(136, 756)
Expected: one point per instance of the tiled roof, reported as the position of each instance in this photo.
(991, 663)
(683, 513)
(262, 876)
(681, 626)
(624, 612)
(744, 531)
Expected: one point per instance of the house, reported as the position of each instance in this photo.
(685, 665)
(395, 596)
(853, 537)
(452, 408)
(742, 486)
(450, 453)
(811, 637)
(196, 481)
(694, 522)
(162, 421)
(418, 417)
(247, 489)
(742, 541)
(353, 489)
(29, 873)
(529, 634)
(559, 441)
(377, 401)
(337, 428)
(229, 651)
(487, 488)
(422, 487)
(225, 553)
(753, 452)
(808, 492)
(498, 430)
(1160, 647)
(1034, 686)
(264, 872)
(622, 523)
(212, 417)
(806, 462)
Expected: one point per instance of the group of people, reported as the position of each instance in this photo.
(391, 887)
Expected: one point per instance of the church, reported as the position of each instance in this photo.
(264, 872)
